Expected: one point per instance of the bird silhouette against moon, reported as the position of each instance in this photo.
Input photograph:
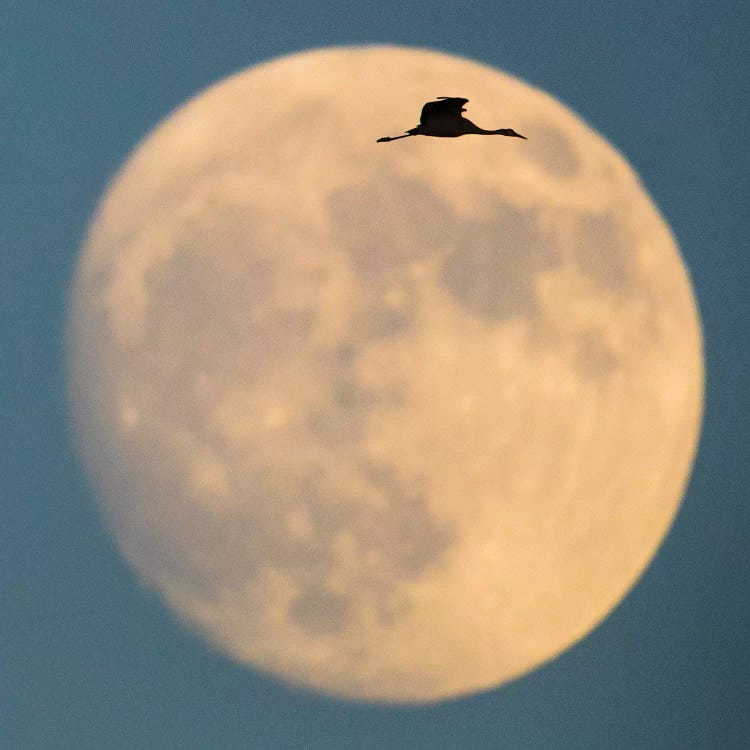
(444, 119)
(395, 424)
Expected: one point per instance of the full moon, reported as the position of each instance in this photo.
(395, 422)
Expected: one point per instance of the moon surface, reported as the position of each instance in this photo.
(396, 422)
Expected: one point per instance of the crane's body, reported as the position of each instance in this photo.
(444, 119)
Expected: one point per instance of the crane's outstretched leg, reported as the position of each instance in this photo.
(387, 138)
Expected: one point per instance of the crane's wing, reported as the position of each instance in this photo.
(450, 106)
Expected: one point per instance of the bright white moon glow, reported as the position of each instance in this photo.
(393, 421)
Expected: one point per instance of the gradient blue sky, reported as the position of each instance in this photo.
(88, 659)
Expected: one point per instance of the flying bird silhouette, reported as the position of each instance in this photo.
(443, 119)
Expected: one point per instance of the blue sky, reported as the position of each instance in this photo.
(88, 659)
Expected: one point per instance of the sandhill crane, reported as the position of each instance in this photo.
(443, 119)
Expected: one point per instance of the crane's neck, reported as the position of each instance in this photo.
(470, 127)
(501, 131)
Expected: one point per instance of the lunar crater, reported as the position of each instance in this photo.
(554, 152)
